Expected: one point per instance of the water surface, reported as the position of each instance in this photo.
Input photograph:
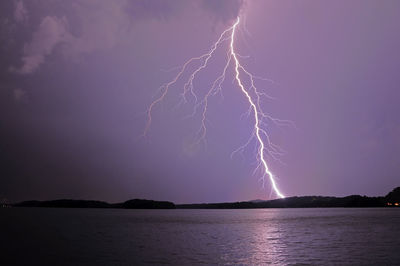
(338, 236)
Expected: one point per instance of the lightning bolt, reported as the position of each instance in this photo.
(251, 94)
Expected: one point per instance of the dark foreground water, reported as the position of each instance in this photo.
(40, 236)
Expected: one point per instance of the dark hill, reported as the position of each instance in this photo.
(64, 203)
(295, 202)
(145, 204)
(393, 196)
(391, 199)
(68, 203)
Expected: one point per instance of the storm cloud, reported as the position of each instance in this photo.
(101, 24)
(78, 76)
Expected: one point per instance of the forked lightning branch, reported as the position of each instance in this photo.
(251, 93)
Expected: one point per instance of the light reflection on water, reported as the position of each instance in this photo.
(187, 237)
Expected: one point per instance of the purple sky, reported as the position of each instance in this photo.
(77, 77)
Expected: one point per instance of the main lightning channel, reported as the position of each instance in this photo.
(255, 110)
(261, 136)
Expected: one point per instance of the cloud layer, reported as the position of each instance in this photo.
(101, 25)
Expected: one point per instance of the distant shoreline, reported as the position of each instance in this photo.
(392, 199)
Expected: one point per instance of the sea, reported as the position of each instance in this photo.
(311, 236)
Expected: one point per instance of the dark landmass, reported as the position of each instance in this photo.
(144, 204)
(296, 202)
(393, 197)
(69, 203)
(64, 203)
(390, 200)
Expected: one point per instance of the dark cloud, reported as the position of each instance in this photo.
(20, 12)
(51, 31)
(102, 24)
(224, 10)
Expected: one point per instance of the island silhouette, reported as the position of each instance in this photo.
(392, 199)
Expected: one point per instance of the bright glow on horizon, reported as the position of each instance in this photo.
(260, 117)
